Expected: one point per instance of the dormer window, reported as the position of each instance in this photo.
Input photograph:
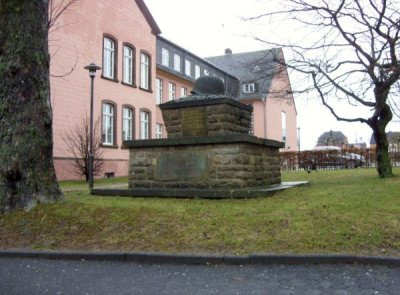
(165, 57)
(249, 88)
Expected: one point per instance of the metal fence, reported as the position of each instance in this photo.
(334, 159)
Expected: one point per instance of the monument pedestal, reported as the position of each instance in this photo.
(229, 161)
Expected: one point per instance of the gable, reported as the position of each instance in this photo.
(259, 67)
(149, 18)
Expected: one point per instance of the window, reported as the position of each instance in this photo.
(188, 69)
(206, 72)
(177, 62)
(283, 117)
(127, 123)
(251, 131)
(107, 134)
(164, 57)
(197, 71)
(144, 125)
(159, 130)
(144, 71)
(109, 58)
(171, 91)
(249, 88)
(128, 65)
(183, 91)
(159, 90)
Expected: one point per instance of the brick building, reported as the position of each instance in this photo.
(141, 69)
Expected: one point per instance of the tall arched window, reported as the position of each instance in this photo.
(144, 71)
(109, 58)
(128, 65)
(144, 124)
(127, 123)
(159, 91)
(283, 125)
(108, 128)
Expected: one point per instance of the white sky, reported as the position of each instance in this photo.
(207, 27)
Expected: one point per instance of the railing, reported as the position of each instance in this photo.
(334, 159)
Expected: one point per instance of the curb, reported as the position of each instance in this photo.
(162, 258)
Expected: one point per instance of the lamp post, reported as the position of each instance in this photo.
(92, 68)
(298, 139)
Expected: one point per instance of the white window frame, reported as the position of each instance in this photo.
(188, 68)
(159, 130)
(177, 62)
(128, 65)
(171, 91)
(284, 127)
(184, 91)
(159, 91)
(144, 71)
(107, 134)
(251, 131)
(108, 58)
(127, 123)
(197, 71)
(249, 88)
(165, 57)
(144, 125)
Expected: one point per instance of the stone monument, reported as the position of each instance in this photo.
(209, 152)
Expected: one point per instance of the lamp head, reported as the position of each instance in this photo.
(92, 68)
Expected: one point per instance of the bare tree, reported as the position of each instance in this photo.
(77, 142)
(352, 56)
(57, 8)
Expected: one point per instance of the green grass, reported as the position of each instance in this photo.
(343, 211)
(82, 185)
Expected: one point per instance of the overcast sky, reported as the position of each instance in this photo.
(207, 27)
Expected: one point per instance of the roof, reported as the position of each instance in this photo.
(335, 138)
(392, 137)
(155, 29)
(205, 60)
(257, 66)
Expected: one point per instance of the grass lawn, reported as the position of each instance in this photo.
(73, 185)
(342, 211)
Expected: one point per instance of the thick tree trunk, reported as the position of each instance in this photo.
(384, 166)
(27, 173)
(378, 125)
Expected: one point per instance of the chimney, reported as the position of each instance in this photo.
(228, 51)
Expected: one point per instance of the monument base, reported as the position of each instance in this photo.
(217, 162)
(253, 192)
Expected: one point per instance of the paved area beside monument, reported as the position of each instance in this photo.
(41, 276)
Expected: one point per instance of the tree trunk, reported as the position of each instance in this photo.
(27, 174)
(378, 125)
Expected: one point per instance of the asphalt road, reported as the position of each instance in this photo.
(40, 276)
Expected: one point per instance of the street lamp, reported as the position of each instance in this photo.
(92, 68)
(298, 139)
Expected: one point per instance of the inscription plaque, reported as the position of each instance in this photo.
(194, 122)
(182, 166)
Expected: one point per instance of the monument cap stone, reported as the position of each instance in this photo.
(207, 112)
(208, 85)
